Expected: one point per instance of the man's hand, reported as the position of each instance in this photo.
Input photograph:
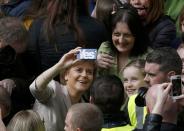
(162, 96)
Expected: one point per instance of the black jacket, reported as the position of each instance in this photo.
(162, 32)
(12, 67)
(153, 122)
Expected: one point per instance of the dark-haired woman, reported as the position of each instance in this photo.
(128, 42)
(66, 25)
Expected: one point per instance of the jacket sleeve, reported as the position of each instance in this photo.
(44, 95)
(152, 122)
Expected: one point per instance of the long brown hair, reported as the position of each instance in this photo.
(64, 11)
(156, 9)
(104, 10)
(36, 9)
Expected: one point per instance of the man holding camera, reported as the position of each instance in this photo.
(160, 65)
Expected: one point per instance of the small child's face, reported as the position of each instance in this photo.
(133, 80)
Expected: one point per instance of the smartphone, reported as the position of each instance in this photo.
(87, 54)
(176, 86)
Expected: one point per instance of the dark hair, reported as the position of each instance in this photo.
(128, 14)
(62, 11)
(108, 93)
(104, 10)
(83, 7)
(155, 10)
(36, 9)
(167, 58)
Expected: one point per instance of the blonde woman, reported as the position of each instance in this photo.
(53, 99)
(26, 120)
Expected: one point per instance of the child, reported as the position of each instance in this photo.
(133, 77)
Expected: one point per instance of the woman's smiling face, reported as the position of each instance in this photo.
(80, 76)
(122, 38)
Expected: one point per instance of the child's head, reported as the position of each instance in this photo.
(79, 75)
(107, 93)
(133, 76)
(26, 120)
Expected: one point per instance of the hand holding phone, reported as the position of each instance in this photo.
(176, 89)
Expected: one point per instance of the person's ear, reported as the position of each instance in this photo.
(66, 76)
(170, 73)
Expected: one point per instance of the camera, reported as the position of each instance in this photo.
(87, 54)
(140, 99)
(176, 86)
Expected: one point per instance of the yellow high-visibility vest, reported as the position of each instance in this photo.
(136, 114)
(121, 128)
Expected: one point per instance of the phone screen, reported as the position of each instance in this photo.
(176, 85)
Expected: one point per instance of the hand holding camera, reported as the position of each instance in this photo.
(176, 89)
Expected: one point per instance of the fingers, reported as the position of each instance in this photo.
(76, 50)
(105, 60)
(168, 88)
(70, 56)
(73, 52)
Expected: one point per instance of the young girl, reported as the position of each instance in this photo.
(133, 76)
(133, 79)
(54, 99)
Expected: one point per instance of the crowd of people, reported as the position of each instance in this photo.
(44, 86)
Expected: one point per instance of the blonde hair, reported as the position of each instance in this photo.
(26, 120)
(69, 66)
(137, 63)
